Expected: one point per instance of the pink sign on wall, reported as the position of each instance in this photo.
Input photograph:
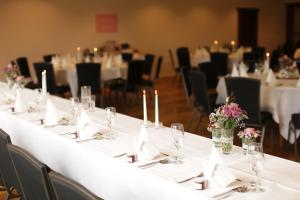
(106, 23)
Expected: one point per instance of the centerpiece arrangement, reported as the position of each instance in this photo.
(288, 68)
(248, 136)
(222, 123)
(12, 76)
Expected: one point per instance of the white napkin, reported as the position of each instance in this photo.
(266, 67)
(109, 62)
(298, 83)
(118, 60)
(217, 170)
(20, 103)
(52, 116)
(146, 150)
(235, 72)
(271, 79)
(243, 72)
(86, 128)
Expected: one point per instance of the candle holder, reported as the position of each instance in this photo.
(158, 126)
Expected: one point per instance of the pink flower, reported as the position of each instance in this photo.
(249, 133)
(233, 110)
(19, 78)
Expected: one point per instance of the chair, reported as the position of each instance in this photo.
(23, 67)
(125, 46)
(250, 58)
(127, 57)
(274, 63)
(220, 60)
(32, 173)
(52, 87)
(89, 74)
(294, 125)
(183, 56)
(149, 58)
(65, 189)
(150, 83)
(202, 104)
(260, 51)
(210, 71)
(184, 71)
(246, 92)
(10, 178)
(48, 58)
(176, 69)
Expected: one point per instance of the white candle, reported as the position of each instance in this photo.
(156, 110)
(268, 59)
(145, 108)
(44, 82)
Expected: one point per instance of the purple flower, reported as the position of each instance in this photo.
(232, 110)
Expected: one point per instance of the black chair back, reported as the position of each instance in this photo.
(158, 67)
(149, 58)
(186, 80)
(48, 58)
(296, 120)
(250, 58)
(274, 63)
(199, 90)
(51, 82)
(127, 57)
(135, 73)
(260, 51)
(89, 74)
(220, 60)
(246, 92)
(210, 71)
(172, 60)
(22, 62)
(7, 168)
(32, 173)
(65, 188)
(183, 56)
(125, 46)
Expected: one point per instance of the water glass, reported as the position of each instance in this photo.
(92, 103)
(110, 115)
(75, 106)
(255, 158)
(178, 136)
(85, 96)
(38, 97)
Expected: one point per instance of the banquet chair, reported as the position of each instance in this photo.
(125, 46)
(150, 83)
(175, 69)
(210, 71)
(250, 58)
(220, 60)
(65, 188)
(33, 175)
(52, 87)
(9, 176)
(48, 58)
(184, 71)
(246, 92)
(183, 56)
(127, 57)
(260, 51)
(294, 125)
(149, 58)
(201, 101)
(22, 63)
(274, 63)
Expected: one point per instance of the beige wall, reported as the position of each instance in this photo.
(35, 27)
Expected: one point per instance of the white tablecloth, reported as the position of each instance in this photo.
(282, 101)
(92, 163)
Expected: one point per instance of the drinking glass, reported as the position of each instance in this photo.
(85, 96)
(110, 115)
(38, 97)
(92, 103)
(256, 161)
(75, 106)
(178, 135)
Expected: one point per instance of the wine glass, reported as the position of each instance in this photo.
(110, 114)
(38, 97)
(178, 135)
(256, 160)
(75, 106)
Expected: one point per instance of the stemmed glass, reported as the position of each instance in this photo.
(75, 106)
(38, 97)
(256, 160)
(178, 136)
(110, 115)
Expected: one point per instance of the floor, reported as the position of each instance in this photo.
(174, 107)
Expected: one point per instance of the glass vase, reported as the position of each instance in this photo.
(216, 137)
(227, 140)
(246, 144)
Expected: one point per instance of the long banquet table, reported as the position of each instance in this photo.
(94, 165)
(281, 100)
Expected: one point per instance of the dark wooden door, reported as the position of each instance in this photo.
(247, 26)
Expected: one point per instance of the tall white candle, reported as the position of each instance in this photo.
(156, 110)
(268, 59)
(44, 82)
(78, 55)
(145, 108)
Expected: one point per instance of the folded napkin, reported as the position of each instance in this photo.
(52, 116)
(20, 103)
(146, 150)
(243, 72)
(235, 72)
(108, 63)
(217, 170)
(86, 128)
(271, 79)
(266, 67)
(298, 83)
